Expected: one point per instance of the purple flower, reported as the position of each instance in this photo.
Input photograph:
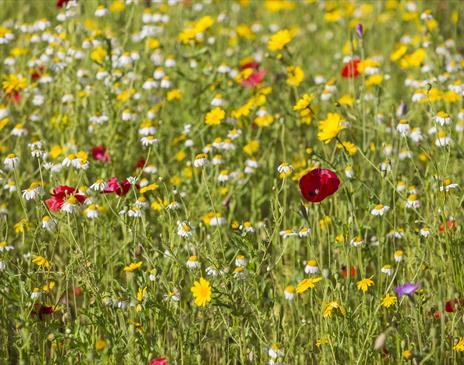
(407, 289)
(359, 30)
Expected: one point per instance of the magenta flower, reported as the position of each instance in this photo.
(407, 289)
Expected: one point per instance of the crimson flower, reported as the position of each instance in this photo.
(256, 76)
(59, 194)
(40, 310)
(318, 184)
(37, 73)
(453, 305)
(61, 3)
(158, 361)
(140, 164)
(350, 69)
(99, 153)
(120, 188)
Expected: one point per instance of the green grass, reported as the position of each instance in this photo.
(248, 314)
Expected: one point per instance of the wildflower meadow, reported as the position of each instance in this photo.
(231, 182)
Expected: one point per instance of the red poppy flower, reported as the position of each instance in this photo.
(41, 310)
(449, 223)
(350, 69)
(99, 153)
(158, 361)
(59, 194)
(256, 76)
(345, 271)
(318, 184)
(437, 315)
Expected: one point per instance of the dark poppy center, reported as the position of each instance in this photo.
(314, 192)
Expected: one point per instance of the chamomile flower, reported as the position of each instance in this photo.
(398, 255)
(34, 191)
(70, 205)
(288, 233)
(442, 139)
(11, 161)
(48, 223)
(380, 209)
(148, 140)
(403, 127)
(442, 118)
(201, 160)
(193, 262)
(349, 172)
(311, 267)
(239, 272)
(412, 202)
(4, 247)
(240, 261)
(92, 211)
(304, 232)
(290, 292)
(285, 169)
(184, 229)
(357, 241)
(99, 185)
(425, 231)
(448, 185)
(387, 269)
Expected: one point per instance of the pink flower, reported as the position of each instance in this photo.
(99, 153)
(158, 361)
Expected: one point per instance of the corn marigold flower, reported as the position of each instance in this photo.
(279, 40)
(133, 266)
(333, 306)
(215, 116)
(459, 346)
(364, 284)
(295, 75)
(330, 127)
(308, 283)
(41, 261)
(388, 300)
(201, 291)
